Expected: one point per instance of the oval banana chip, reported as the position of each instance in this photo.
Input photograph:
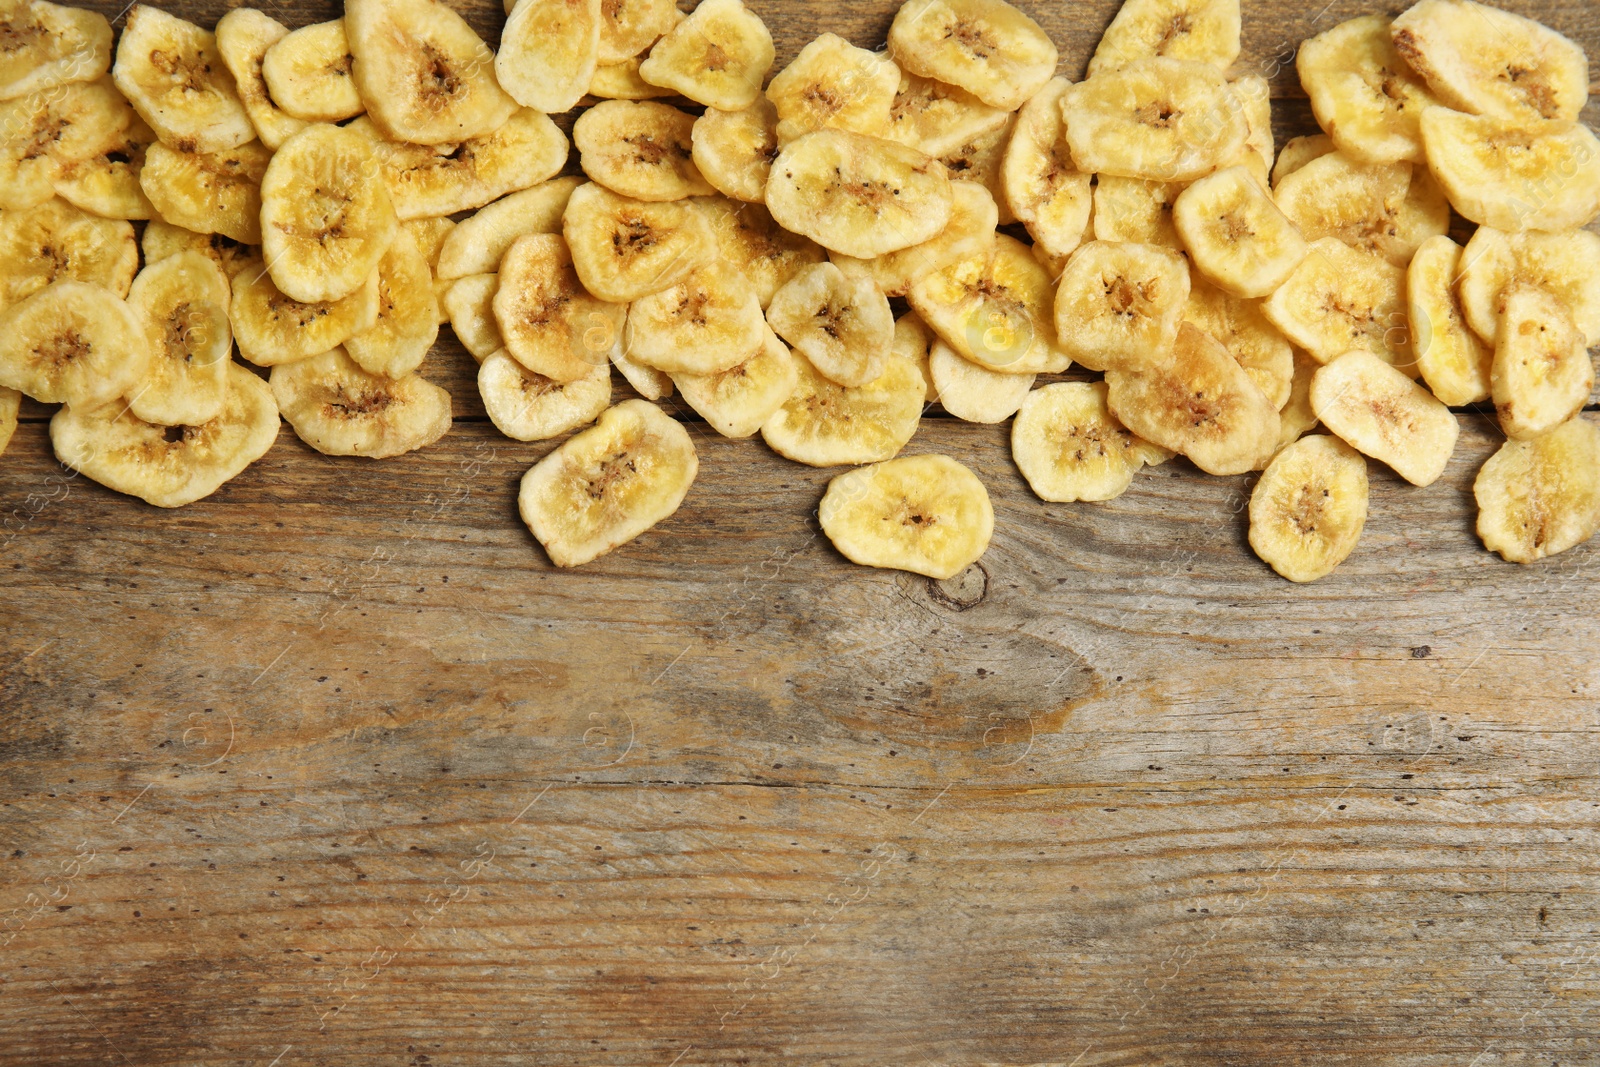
(10, 403)
(44, 133)
(549, 52)
(1166, 120)
(183, 301)
(469, 304)
(734, 150)
(530, 407)
(1382, 413)
(171, 72)
(208, 192)
(408, 315)
(308, 74)
(1339, 299)
(995, 309)
(56, 241)
(1364, 93)
(1241, 328)
(1119, 304)
(340, 410)
(1297, 152)
(629, 27)
(1530, 174)
(737, 401)
(1540, 497)
(1069, 446)
(935, 118)
(970, 233)
(987, 47)
(755, 247)
(1566, 264)
(272, 328)
(624, 249)
(1386, 209)
(718, 56)
(832, 84)
(1451, 358)
(824, 424)
(1542, 373)
(639, 149)
(1309, 507)
(547, 322)
(924, 514)
(477, 244)
(1236, 235)
(1042, 186)
(842, 324)
(972, 392)
(74, 343)
(106, 183)
(243, 37)
(621, 81)
(707, 323)
(1136, 211)
(52, 45)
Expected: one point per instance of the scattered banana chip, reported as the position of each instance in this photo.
(208, 192)
(739, 400)
(1296, 418)
(642, 150)
(1308, 509)
(757, 248)
(548, 323)
(707, 323)
(924, 514)
(74, 343)
(340, 410)
(1167, 120)
(969, 233)
(718, 56)
(607, 485)
(1339, 299)
(986, 47)
(1382, 413)
(936, 118)
(430, 236)
(1046, 193)
(169, 466)
(1364, 93)
(243, 37)
(734, 150)
(1236, 235)
(171, 73)
(1540, 497)
(423, 74)
(648, 382)
(832, 84)
(469, 303)
(1254, 95)
(408, 314)
(624, 249)
(861, 196)
(1542, 373)
(51, 45)
(477, 244)
(1205, 31)
(995, 309)
(10, 403)
(308, 74)
(272, 328)
(629, 27)
(1240, 327)
(107, 182)
(1532, 174)
(549, 52)
(1566, 264)
(824, 424)
(57, 241)
(912, 340)
(841, 323)
(1387, 209)
(972, 392)
(162, 239)
(1070, 447)
(1120, 304)
(979, 162)
(530, 407)
(621, 81)
(1136, 211)
(1450, 357)
(43, 133)
(183, 301)
(1298, 151)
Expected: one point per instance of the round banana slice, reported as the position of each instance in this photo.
(924, 514)
(1364, 93)
(208, 192)
(549, 52)
(1382, 413)
(477, 244)
(423, 74)
(648, 382)
(50, 45)
(1308, 509)
(469, 304)
(272, 328)
(842, 324)
(986, 47)
(546, 320)
(408, 315)
(326, 218)
(1387, 209)
(57, 241)
(739, 400)
(832, 84)
(824, 424)
(858, 195)
(1296, 418)
(629, 27)
(1070, 447)
(171, 73)
(1205, 31)
(972, 392)
(1240, 327)
(10, 403)
(308, 74)
(1531, 174)
(183, 301)
(1120, 304)
(707, 323)
(994, 309)
(757, 248)
(1167, 120)
(607, 485)
(1566, 264)
(936, 118)
(1450, 357)
(530, 407)
(1135, 211)
(340, 410)
(912, 340)
(621, 81)
(718, 56)
(1486, 61)
(969, 233)
(624, 249)
(243, 37)
(43, 133)
(1196, 399)
(162, 239)
(642, 150)
(1298, 151)
(1542, 373)
(1046, 193)
(75, 343)
(1540, 497)
(1236, 235)
(107, 182)
(169, 466)
(1339, 299)
(979, 162)
(734, 150)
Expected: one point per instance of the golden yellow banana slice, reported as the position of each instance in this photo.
(208, 192)
(1205, 31)
(272, 328)
(1451, 358)
(979, 162)
(648, 382)
(972, 392)
(1540, 497)
(642, 150)
(477, 244)
(841, 323)
(936, 118)
(1120, 304)
(1382, 413)
(1566, 264)
(1070, 447)
(1308, 509)
(1530, 174)
(171, 73)
(57, 241)
(308, 74)
(994, 308)
(969, 233)
(1387, 209)
(734, 150)
(832, 84)
(1236, 235)
(51, 45)
(912, 341)
(549, 52)
(986, 47)
(183, 302)
(44, 133)
(546, 321)
(1167, 120)
(469, 304)
(718, 56)
(624, 249)
(340, 410)
(824, 424)
(430, 236)
(1240, 327)
(1364, 93)
(243, 37)
(1043, 188)
(629, 27)
(526, 406)
(737, 401)
(408, 314)
(75, 343)
(707, 323)
(621, 81)
(1135, 211)
(924, 514)
(1339, 299)
(757, 248)
(107, 182)
(1542, 373)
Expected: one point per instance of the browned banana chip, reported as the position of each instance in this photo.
(936, 118)
(183, 301)
(107, 183)
(624, 249)
(57, 241)
(757, 248)
(272, 328)
(171, 73)
(1540, 497)
(217, 192)
(340, 410)
(834, 84)
(824, 424)
(640, 150)
(50, 45)
(72, 342)
(408, 314)
(734, 150)
(1119, 305)
(546, 320)
(44, 133)
(1364, 93)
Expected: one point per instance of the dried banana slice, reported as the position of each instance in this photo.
(924, 514)
(1167, 120)
(57, 241)
(912, 340)
(1339, 299)
(272, 328)
(171, 73)
(408, 314)
(1070, 447)
(208, 192)
(858, 195)
(1296, 418)
(757, 248)
(430, 236)
(841, 323)
(1540, 497)
(530, 407)
(1382, 413)
(1205, 31)
(1450, 357)
(640, 150)
(1530, 174)
(1046, 193)
(1236, 235)
(832, 84)
(50, 45)
(162, 239)
(1566, 264)
(979, 162)
(629, 27)
(477, 244)
(469, 303)
(75, 343)
(243, 37)
(936, 118)
(169, 466)
(705, 324)
(43, 133)
(326, 218)
(549, 51)
(10, 403)
(1244, 331)
(1299, 151)
(1135, 211)
(308, 74)
(423, 74)
(1542, 372)
(607, 485)
(986, 47)
(648, 382)
(624, 249)
(183, 301)
(1254, 95)
(1486, 61)
(107, 182)
(1120, 304)
(718, 56)
(1308, 509)
(972, 392)
(995, 309)
(824, 424)
(739, 400)
(546, 320)
(621, 81)
(969, 233)
(734, 150)
(1387, 209)
(1364, 94)
(340, 410)
(1194, 398)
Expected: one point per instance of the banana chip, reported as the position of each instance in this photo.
(208, 192)
(924, 514)
(824, 424)
(621, 81)
(183, 301)
(1046, 193)
(1204, 31)
(1135, 211)
(1240, 327)
(1382, 413)
(546, 320)
(430, 236)
(718, 56)
(75, 343)
(936, 118)
(469, 304)
(757, 248)
(1296, 418)
(1387, 209)
(50, 45)
(243, 37)
(57, 241)
(832, 84)
(995, 309)
(1167, 120)
(272, 328)
(340, 410)
(477, 244)
(707, 323)
(1236, 235)
(1339, 299)
(629, 27)
(1566, 264)
(1530, 174)
(972, 392)
(969, 233)
(986, 47)
(162, 239)
(549, 52)
(979, 162)
(912, 340)
(1364, 94)
(10, 403)
(734, 150)
(607, 485)
(1542, 373)
(1255, 98)
(1540, 497)
(642, 150)
(1120, 304)
(841, 323)
(107, 182)
(1308, 509)
(1297, 152)
(169, 466)
(624, 249)
(1450, 357)
(308, 74)
(408, 314)
(739, 400)
(1070, 447)
(648, 382)
(530, 407)
(43, 133)
(171, 73)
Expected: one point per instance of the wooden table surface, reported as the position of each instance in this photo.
(334, 767)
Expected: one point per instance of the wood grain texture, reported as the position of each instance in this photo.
(334, 768)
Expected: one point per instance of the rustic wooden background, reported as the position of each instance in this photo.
(335, 768)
